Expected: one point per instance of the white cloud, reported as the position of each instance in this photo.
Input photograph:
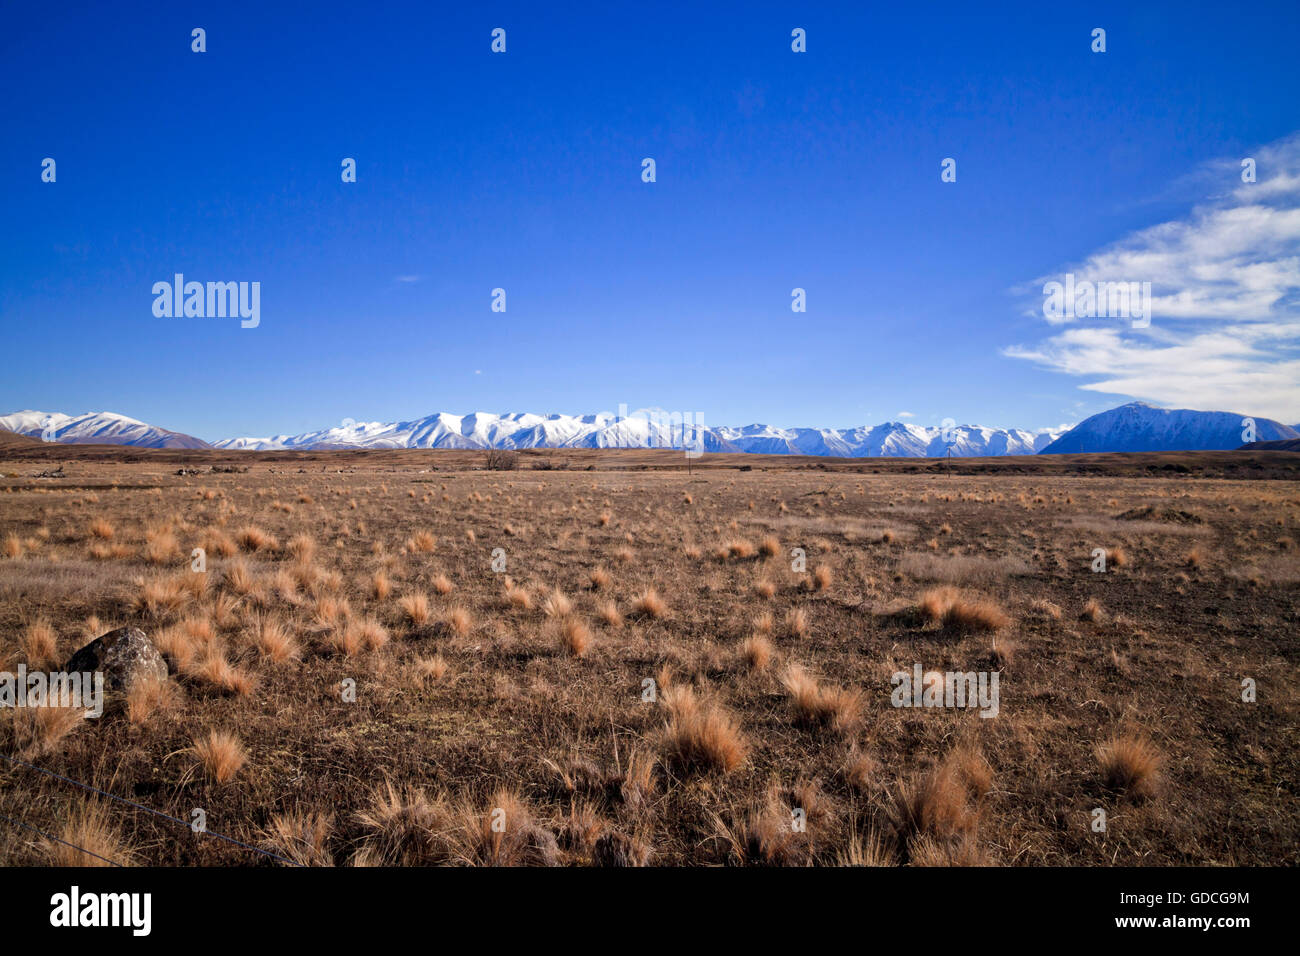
(1225, 313)
(906, 415)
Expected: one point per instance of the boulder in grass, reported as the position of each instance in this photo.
(124, 656)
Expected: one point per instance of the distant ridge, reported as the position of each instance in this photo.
(1138, 426)
(1134, 427)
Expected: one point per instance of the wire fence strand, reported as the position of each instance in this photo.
(141, 806)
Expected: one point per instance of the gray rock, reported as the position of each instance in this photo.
(125, 656)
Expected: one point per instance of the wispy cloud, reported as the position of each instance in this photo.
(407, 278)
(1225, 325)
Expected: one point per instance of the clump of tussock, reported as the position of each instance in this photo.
(796, 622)
(818, 704)
(943, 804)
(700, 735)
(649, 605)
(557, 604)
(221, 755)
(756, 652)
(956, 611)
(416, 609)
(769, 547)
(575, 637)
(253, 538)
(301, 836)
(88, 836)
(1131, 765)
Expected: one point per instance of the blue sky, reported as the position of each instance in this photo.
(522, 170)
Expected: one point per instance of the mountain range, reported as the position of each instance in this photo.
(1136, 426)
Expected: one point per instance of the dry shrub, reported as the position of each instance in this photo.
(215, 668)
(160, 547)
(1131, 765)
(599, 579)
(13, 546)
(822, 577)
(769, 547)
(1092, 612)
(765, 589)
(871, 849)
(221, 755)
(942, 805)
(159, 596)
(217, 542)
(99, 528)
(739, 548)
(38, 731)
(700, 734)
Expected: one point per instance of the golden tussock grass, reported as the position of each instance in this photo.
(459, 620)
(301, 836)
(221, 755)
(442, 584)
(88, 837)
(819, 704)
(99, 528)
(769, 547)
(253, 538)
(649, 605)
(13, 547)
(147, 697)
(757, 653)
(575, 637)
(274, 641)
(701, 735)
(1131, 765)
(518, 598)
(416, 609)
(796, 622)
(952, 609)
(40, 644)
(556, 604)
(609, 614)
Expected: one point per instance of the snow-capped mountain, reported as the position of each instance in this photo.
(1138, 426)
(99, 428)
(651, 430)
(1133, 427)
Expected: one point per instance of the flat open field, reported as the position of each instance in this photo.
(502, 630)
